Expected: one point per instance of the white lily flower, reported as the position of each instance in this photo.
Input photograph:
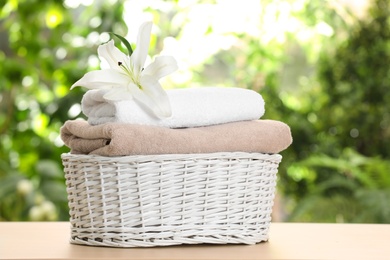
(127, 78)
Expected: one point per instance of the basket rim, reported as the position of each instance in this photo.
(276, 158)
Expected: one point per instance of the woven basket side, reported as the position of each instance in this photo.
(162, 200)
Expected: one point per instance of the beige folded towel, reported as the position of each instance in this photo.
(119, 139)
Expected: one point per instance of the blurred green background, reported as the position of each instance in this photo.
(323, 67)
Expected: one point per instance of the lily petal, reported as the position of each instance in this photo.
(118, 94)
(111, 54)
(141, 49)
(154, 97)
(101, 79)
(161, 66)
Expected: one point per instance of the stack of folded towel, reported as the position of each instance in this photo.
(204, 120)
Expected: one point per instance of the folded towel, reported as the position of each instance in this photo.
(191, 107)
(119, 139)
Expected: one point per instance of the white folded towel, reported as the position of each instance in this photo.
(191, 107)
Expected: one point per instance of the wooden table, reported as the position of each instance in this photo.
(49, 240)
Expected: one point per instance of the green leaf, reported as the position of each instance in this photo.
(49, 169)
(125, 42)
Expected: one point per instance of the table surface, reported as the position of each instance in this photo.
(50, 240)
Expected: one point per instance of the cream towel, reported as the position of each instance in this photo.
(191, 107)
(118, 139)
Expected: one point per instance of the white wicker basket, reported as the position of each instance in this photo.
(161, 200)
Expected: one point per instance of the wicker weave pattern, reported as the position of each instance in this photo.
(160, 200)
